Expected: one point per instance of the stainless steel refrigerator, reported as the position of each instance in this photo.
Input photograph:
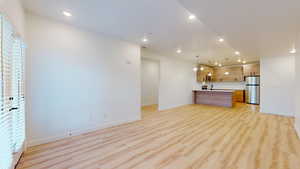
(252, 89)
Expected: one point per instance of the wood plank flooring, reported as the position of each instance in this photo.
(188, 137)
(149, 110)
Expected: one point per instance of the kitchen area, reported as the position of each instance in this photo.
(226, 85)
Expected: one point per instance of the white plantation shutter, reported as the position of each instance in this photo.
(21, 91)
(6, 148)
(18, 96)
(12, 116)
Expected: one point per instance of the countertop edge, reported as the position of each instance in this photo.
(222, 91)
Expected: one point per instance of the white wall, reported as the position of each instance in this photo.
(224, 85)
(230, 85)
(176, 82)
(13, 10)
(297, 87)
(77, 80)
(277, 84)
(150, 81)
(297, 96)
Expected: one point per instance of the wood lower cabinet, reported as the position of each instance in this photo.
(239, 96)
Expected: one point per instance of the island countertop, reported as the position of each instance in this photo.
(216, 90)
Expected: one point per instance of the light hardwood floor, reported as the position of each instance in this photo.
(149, 110)
(188, 137)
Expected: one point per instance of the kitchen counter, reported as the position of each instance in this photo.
(217, 90)
(214, 97)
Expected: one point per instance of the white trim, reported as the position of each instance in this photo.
(162, 108)
(35, 142)
(278, 114)
(17, 156)
(272, 113)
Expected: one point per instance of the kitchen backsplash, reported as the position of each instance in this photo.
(223, 85)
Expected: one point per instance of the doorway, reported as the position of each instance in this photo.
(150, 86)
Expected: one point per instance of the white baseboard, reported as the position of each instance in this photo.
(279, 114)
(274, 112)
(161, 108)
(40, 141)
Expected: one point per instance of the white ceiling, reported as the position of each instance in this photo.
(245, 25)
(255, 27)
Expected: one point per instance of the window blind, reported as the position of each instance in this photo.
(6, 155)
(12, 100)
(17, 110)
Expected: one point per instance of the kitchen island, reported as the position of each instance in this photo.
(214, 97)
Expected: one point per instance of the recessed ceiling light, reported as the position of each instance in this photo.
(219, 64)
(202, 68)
(67, 13)
(145, 39)
(237, 52)
(293, 51)
(195, 69)
(244, 62)
(239, 60)
(192, 17)
(178, 50)
(226, 73)
(221, 40)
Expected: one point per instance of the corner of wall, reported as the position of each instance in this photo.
(14, 11)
